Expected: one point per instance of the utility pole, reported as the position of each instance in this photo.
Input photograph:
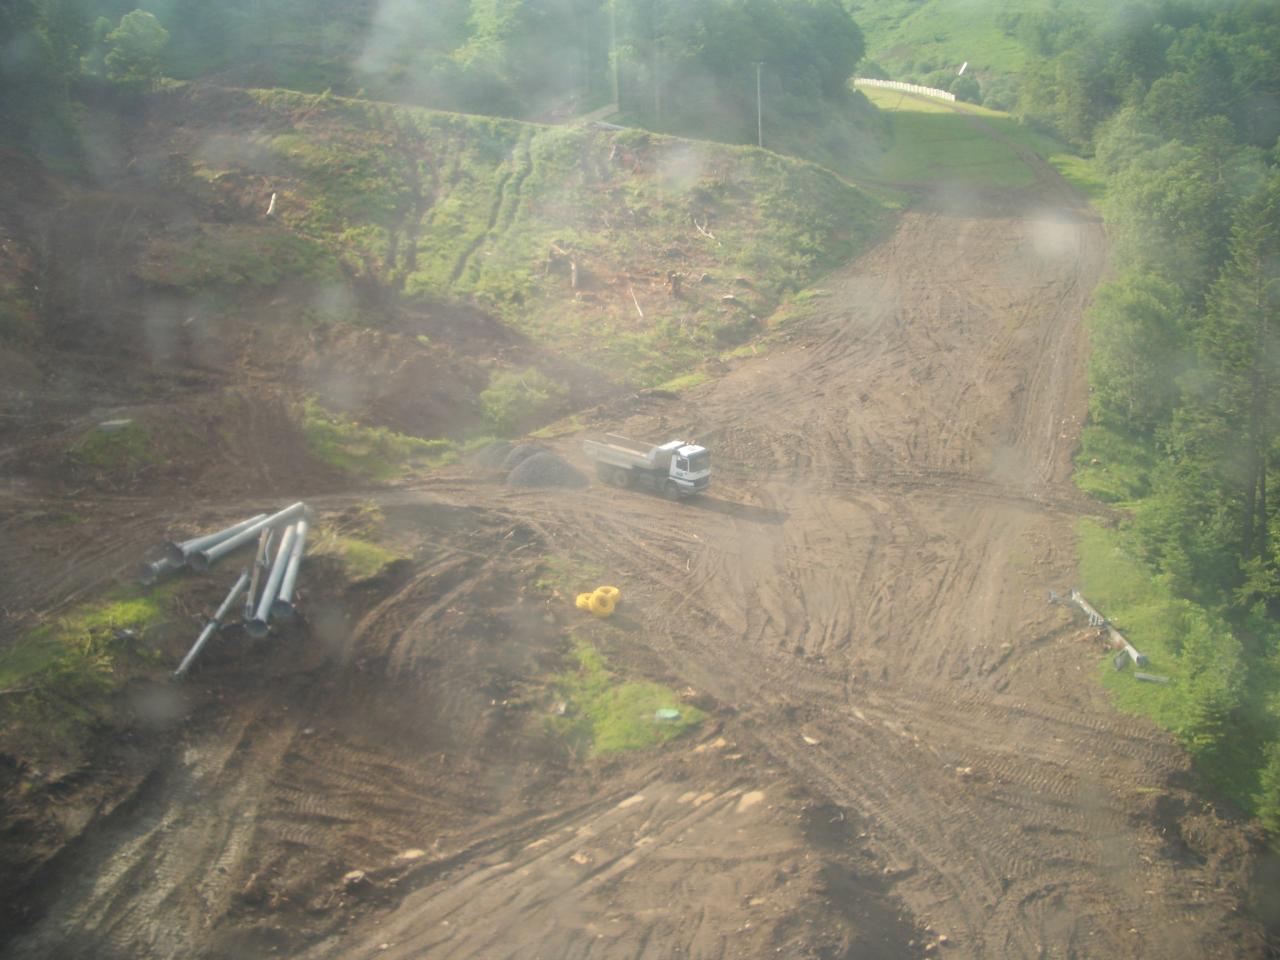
(613, 49)
(657, 86)
(759, 109)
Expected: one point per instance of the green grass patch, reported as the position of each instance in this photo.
(234, 255)
(1081, 174)
(1078, 171)
(568, 576)
(931, 143)
(1114, 467)
(912, 38)
(125, 451)
(1123, 589)
(606, 714)
(810, 295)
(360, 558)
(895, 101)
(352, 541)
(373, 452)
(753, 348)
(62, 673)
(685, 382)
(932, 140)
(565, 427)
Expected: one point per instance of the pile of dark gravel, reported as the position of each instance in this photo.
(545, 469)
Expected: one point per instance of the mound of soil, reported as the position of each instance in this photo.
(519, 454)
(545, 469)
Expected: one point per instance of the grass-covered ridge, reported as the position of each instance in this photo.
(438, 205)
(913, 39)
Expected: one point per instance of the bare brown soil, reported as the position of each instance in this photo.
(909, 754)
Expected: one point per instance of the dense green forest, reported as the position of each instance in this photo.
(677, 66)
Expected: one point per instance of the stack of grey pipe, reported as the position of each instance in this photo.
(276, 596)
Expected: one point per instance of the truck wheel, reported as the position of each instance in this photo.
(671, 490)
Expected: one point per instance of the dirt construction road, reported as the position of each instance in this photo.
(913, 755)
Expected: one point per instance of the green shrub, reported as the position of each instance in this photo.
(374, 452)
(514, 398)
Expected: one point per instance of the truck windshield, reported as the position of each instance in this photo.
(699, 462)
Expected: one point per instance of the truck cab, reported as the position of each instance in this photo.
(690, 465)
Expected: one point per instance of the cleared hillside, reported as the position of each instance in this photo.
(622, 247)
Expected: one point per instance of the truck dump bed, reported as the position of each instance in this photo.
(636, 447)
(622, 452)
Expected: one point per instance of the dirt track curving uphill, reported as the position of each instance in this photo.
(912, 753)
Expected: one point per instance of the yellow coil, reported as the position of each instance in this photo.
(601, 605)
(584, 601)
(612, 592)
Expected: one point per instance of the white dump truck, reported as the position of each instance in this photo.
(674, 469)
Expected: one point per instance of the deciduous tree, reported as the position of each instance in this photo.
(134, 48)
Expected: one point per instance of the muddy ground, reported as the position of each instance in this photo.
(908, 754)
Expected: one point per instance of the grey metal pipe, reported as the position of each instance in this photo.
(257, 627)
(212, 625)
(259, 564)
(1117, 638)
(180, 552)
(201, 560)
(283, 606)
(149, 573)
